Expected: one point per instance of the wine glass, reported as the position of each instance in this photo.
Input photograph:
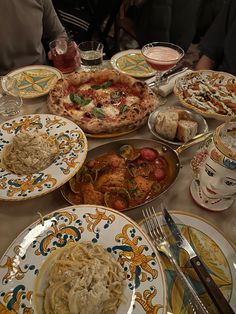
(161, 56)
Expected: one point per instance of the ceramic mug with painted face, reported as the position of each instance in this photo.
(214, 168)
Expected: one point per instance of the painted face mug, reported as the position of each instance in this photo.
(214, 169)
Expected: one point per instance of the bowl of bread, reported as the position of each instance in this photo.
(175, 124)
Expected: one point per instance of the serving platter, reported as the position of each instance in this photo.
(132, 62)
(35, 80)
(163, 150)
(202, 124)
(144, 287)
(73, 150)
(210, 93)
(215, 250)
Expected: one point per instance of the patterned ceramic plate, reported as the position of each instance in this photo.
(73, 151)
(217, 253)
(35, 80)
(132, 62)
(145, 287)
(210, 93)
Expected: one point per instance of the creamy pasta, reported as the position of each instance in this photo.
(30, 152)
(84, 279)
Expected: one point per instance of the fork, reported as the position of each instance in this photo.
(158, 238)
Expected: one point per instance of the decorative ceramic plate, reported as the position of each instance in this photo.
(132, 62)
(73, 151)
(145, 287)
(217, 253)
(210, 93)
(202, 124)
(35, 80)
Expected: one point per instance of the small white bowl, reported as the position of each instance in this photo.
(202, 124)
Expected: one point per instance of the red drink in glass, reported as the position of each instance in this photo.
(65, 55)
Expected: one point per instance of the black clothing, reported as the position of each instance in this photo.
(219, 43)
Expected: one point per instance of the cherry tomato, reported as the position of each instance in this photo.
(161, 162)
(119, 204)
(148, 154)
(159, 174)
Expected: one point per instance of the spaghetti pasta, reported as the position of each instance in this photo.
(30, 152)
(84, 279)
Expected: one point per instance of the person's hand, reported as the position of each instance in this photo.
(49, 55)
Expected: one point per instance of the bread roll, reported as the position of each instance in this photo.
(166, 124)
(186, 130)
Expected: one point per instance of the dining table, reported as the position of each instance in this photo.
(15, 216)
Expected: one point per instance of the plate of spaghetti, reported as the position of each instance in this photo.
(82, 259)
(38, 154)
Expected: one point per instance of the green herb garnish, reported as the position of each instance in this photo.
(123, 109)
(102, 86)
(116, 96)
(98, 113)
(79, 100)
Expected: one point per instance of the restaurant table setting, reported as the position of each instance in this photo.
(153, 200)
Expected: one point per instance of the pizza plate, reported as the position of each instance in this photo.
(133, 63)
(202, 124)
(218, 254)
(116, 134)
(35, 80)
(144, 287)
(205, 81)
(73, 150)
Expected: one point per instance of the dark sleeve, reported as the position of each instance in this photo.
(52, 27)
(153, 21)
(212, 44)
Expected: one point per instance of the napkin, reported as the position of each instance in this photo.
(165, 89)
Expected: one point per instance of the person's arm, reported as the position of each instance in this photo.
(205, 63)
(52, 27)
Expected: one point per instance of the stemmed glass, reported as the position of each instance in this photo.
(161, 56)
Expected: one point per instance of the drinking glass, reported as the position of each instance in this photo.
(91, 55)
(10, 100)
(65, 55)
(161, 56)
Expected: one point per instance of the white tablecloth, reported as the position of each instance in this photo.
(15, 216)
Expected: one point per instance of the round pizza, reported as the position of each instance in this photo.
(104, 101)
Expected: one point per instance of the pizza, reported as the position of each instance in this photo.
(102, 102)
(210, 93)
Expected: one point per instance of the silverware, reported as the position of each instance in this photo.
(156, 234)
(167, 75)
(177, 69)
(213, 290)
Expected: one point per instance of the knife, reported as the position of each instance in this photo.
(178, 68)
(213, 290)
(167, 75)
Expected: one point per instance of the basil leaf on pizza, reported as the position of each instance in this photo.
(79, 100)
(98, 113)
(123, 109)
(103, 86)
(104, 101)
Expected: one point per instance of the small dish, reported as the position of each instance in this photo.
(202, 124)
(35, 80)
(132, 62)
